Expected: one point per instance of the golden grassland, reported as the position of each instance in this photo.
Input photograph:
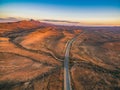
(32, 54)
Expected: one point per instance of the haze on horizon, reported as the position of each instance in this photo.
(87, 12)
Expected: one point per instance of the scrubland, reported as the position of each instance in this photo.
(32, 55)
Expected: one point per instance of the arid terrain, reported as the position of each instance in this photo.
(95, 57)
(32, 55)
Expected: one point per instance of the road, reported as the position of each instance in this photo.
(67, 81)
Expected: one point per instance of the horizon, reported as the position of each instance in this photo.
(54, 22)
(102, 12)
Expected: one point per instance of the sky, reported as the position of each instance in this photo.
(90, 12)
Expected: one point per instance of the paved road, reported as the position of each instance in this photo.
(67, 82)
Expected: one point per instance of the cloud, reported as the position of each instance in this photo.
(49, 20)
(61, 22)
(9, 19)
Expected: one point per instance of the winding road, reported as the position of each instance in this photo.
(67, 80)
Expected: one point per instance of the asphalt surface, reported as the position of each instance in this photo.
(67, 81)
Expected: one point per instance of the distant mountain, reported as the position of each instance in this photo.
(24, 24)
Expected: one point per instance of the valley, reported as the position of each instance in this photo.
(32, 56)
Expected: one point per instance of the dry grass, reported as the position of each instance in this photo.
(96, 60)
(29, 59)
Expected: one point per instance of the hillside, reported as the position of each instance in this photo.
(32, 56)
